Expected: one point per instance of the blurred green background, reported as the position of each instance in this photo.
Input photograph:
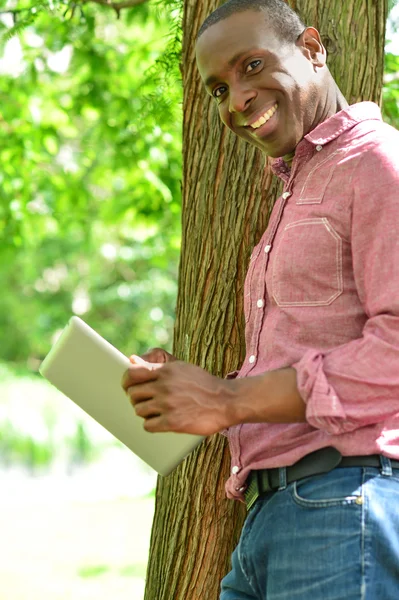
(90, 152)
(91, 163)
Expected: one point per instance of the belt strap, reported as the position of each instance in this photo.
(316, 463)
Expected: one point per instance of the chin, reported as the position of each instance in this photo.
(280, 152)
(276, 152)
(272, 154)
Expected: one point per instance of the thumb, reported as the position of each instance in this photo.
(137, 360)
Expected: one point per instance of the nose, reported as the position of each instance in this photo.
(240, 98)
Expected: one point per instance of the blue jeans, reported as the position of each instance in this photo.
(328, 537)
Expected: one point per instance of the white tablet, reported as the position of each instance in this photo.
(89, 370)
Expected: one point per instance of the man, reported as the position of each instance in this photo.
(313, 414)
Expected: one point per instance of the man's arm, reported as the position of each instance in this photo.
(269, 398)
(180, 397)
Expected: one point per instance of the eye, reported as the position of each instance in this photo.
(253, 65)
(217, 92)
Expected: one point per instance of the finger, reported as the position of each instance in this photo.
(140, 392)
(137, 374)
(155, 355)
(155, 425)
(138, 360)
(147, 409)
(158, 355)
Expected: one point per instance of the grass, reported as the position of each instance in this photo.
(38, 423)
(39, 426)
(77, 507)
(74, 550)
(92, 571)
(136, 570)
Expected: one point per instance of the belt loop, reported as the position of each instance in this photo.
(282, 478)
(386, 467)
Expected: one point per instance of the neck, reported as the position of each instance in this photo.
(332, 107)
(335, 102)
(341, 102)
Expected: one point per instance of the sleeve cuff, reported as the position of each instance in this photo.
(324, 409)
(231, 375)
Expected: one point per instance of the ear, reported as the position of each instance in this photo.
(311, 45)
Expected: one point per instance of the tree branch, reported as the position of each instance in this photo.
(117, 6)
(12, 11)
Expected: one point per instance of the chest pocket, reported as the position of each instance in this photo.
(307, 264)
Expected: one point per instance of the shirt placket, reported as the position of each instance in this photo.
(258, 298)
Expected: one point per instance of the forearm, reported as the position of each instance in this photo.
(269, 398)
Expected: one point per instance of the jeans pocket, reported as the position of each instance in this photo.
(338, 488)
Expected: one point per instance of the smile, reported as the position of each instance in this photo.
(264, 118)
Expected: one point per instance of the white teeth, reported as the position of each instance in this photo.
(262, 120)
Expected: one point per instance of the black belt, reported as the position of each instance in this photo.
(322, 461)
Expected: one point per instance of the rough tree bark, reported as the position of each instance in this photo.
(227, 198)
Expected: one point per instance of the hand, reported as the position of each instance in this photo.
(177, 396)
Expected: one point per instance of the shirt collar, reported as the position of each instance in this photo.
(331, 129)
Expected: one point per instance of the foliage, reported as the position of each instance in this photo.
(391, 76)
(392, 4)
(90, 179)
(90, 138)
(391, 90)
(23, 449)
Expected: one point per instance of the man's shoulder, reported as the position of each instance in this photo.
(374, 148)
(370, 134)
(370, 143)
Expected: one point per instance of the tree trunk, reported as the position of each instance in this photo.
(227, 198)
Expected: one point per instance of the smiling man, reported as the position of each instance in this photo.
(312, 416)
(271, 90)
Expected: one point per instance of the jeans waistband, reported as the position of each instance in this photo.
(262, 481)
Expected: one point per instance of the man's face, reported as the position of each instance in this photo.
(268, 93)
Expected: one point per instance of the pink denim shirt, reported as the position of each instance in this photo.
(322, 295)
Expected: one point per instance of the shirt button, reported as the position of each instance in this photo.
(235, 470)
(267, 249)
(319, 148)
(286, 195)
(252, 359)
(260, 303)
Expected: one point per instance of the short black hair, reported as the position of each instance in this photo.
(285, 21)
